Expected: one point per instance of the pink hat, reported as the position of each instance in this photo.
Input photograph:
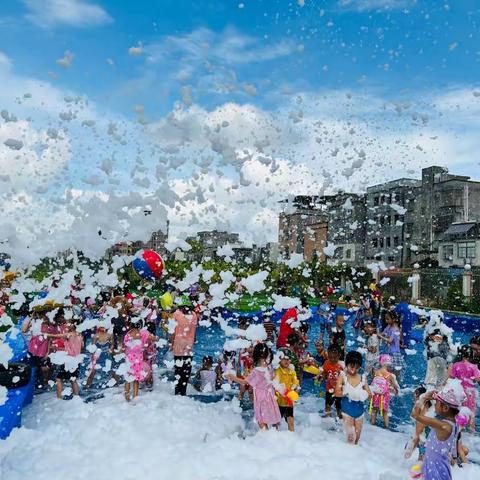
(452, 394)
(385, 360)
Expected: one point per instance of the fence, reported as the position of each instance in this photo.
(439, 287)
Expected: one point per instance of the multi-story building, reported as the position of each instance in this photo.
(157, 241)
(385, 226)
(441, 200)
(269, 252)
(460, 245)
(302, 227)
(346, 227)
(210, 241)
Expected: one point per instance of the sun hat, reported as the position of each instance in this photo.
(385, 360)
(452, 394)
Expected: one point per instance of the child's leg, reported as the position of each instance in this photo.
(90, 378)
(386, 419)
(349, 426)
(59, 388)
(127, 391)
(373, 416)
(243, 388)
(338, 406)
(328, 402)
(358, 428)
(135, 388)
(263, 426)
(75, 387)
(291, 424)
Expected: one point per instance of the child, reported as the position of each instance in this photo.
(101, 361)
(135, 344)
(324, 313)
(337, 335)
(245, 366)
(421, 430)
(205, 379)
(391, 336)
(438, 353)
(286, 377)
(72, 345)
(353, 388)
(442, 439)
(330, 372)
(383, 384)
(373, 345)
(468, 373)
(264, 402)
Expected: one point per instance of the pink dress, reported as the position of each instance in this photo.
(264, 401)
(139, 369)
(467, 372)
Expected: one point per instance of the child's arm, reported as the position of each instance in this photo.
(394, 384)
(442, 428)
(339, 387)
(367, 387)
(234, 378)
(26, 325)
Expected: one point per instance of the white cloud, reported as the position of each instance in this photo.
(365, 5)
(5, 62)
(229, 46)
(74, 13)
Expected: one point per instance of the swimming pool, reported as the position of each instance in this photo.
(210, 341)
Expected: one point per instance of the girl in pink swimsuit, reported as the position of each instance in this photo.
(135, 344)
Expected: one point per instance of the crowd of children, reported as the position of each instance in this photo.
(123, 348)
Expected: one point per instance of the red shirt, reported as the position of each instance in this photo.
(288, 318)
(331, 371)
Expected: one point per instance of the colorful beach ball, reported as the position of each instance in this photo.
(148, 264)
(416, 471)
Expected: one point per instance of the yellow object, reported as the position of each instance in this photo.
(288, 378)
(416, 471)
(293, 396)
(166, 301)
(311, 369)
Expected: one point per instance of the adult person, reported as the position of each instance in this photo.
(289, 323)
(348, 289)
(183, 338)
(475, 344)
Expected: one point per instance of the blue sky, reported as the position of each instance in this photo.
(210, 112)
(384, 45)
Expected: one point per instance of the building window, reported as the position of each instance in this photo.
(396, 218)
(391, 259)
(395, 241)
(348, 253)
(381, 243)
(389, 220)
(374, 242)
(447, 252)
(388, 241)
(382, 220)
(375, 201)
(339, 252)
(466, 250)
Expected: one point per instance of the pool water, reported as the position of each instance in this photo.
(210, 341)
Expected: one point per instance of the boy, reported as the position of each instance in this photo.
(330, 372)
(286, 376)
(337, 335)
(324, 312)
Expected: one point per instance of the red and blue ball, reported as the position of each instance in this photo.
(148, 264)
